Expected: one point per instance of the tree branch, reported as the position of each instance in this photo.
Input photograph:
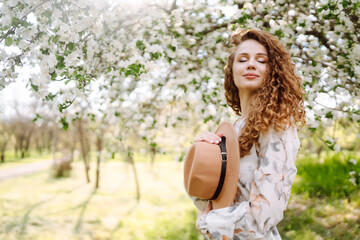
(12, 30)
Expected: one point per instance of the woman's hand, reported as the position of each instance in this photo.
(209, 137)
(206, 211)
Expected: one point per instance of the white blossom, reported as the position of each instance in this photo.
(353, 181)
(6, 20)
(72, 59)
(353, 161)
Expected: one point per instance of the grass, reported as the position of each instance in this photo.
(314, 218)
(12, 161)
(40, 207)
(326, 178)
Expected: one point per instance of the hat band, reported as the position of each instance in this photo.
(224, 158)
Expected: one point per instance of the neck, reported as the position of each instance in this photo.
(244, 103)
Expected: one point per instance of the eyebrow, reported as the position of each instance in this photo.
(244, 53)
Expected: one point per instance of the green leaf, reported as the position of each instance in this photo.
(37, 116)
(208, 118)
(53, 75)
(329, 115)
(50, 97)
(55, 39)
(140, 45)
(71, 46)
(65, 124)
(65, 105)
(312, 129)
(35, 87)
(45, 51)
(279, 33)
(183, 87)
(91, 116)
(47, 13)
(155, 55)
(8, 41)
(15, 21)
(60, 65)
(171, 47)
(176, 34)
(133, 69)
(243, 18)
(345, 3)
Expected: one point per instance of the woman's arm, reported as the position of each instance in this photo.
(269, 192)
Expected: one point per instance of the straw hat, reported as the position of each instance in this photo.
(211, 171)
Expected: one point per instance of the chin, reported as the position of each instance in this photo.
(249, 87)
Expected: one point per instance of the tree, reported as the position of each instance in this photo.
(5, 138)
(144, 61)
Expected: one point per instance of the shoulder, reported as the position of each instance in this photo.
(287, 136)
(239, 124)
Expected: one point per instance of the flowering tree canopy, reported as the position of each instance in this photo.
(161, 64)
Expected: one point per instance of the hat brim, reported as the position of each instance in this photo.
(228, 192)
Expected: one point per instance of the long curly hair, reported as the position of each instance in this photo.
(278, 102)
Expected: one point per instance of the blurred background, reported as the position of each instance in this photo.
(99, 101)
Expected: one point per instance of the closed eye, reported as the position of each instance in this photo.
(262, 60)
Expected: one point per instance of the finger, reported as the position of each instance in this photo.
(214, 137)
(208, 207)
(207, 137)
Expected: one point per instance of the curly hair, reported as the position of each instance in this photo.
(278, 103)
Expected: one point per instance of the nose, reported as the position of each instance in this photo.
(251, 64)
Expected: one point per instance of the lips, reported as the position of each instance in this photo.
(250, 75)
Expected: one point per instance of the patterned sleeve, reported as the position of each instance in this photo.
(269, 193)
(199, 203)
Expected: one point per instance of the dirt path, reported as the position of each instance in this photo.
(24, 169)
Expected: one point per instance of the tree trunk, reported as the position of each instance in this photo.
(99, 146)
(84, 150)
(38, 146)
(53, 148)
(137, 184)
(152, 160)
(21, 147)
(2, 157)
(84, 155)
(27, 143)
(97, 180)
(16, 151)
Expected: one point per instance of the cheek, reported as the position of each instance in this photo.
(238, 70)
(264, 71)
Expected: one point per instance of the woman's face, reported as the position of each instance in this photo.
(250, 66)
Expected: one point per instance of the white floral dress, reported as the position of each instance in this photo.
(264, 185)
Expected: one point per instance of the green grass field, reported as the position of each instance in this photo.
(38, 206)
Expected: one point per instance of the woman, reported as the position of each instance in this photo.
(263, 89)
